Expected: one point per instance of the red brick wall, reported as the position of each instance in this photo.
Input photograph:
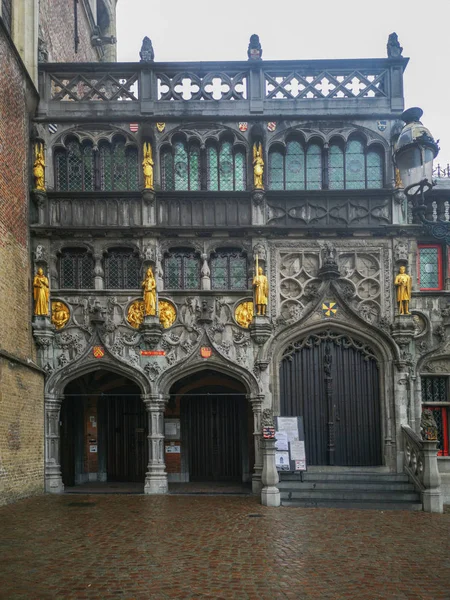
(57, 23)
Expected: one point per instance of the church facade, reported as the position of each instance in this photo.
(219, 239)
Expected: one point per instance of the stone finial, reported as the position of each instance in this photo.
(147, 54)
(254, 51)
(394, 50)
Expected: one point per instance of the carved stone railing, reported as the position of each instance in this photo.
(332, 209)
(95, 209)
(438, 207)
(232, 89)
(204, 209)
(420, 464)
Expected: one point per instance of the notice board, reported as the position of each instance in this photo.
(290, 453)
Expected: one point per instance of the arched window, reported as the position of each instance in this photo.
(122, 269)
(229, 270)
(225, 167)
(182, 269)
(113, 168)
(181, 167)
(353, 167)
(294, 168)
(76, 269)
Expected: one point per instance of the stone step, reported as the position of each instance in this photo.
(369, 486)
(354, 505)
(347, 493)
(346, 476)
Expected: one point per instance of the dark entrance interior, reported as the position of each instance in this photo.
(103, 430)
(214, 425)
(332, 381)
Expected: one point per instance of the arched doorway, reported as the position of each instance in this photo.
(104, 430)
(332, 380)
(214, 423)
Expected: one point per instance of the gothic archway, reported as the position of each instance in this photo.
(332, 380)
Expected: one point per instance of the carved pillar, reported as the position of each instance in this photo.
(156, 476)
(256, 403)
(431, 495)
(205, 273)
(270, 494)
(53, 477)
(99, 274)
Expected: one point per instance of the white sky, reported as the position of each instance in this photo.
(295, 29)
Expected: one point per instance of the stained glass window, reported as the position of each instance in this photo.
(240, 171)
(435, 390)
(226, 167)
(336, 167)
(180, 159)
(119, 168)
(181, 167)
(167, 170)
(295, 166)
(122, 269)
(105, 167)
(276, 170)
(212, 179)
(229, 270)
(355, 177)
(132, 168)
(430, 266)
(76, 269)
(374, 170)
(182, 270)
(313, 167)
(194, 168)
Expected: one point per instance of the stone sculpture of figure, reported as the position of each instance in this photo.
(147, 166)
(149, 285)
(254, 51)
(39, 168)
(404, 287)
(258, 166)
(147, 54)
(394, 50)
(261, 287)
(41, 294)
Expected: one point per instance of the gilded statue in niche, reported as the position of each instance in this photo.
(258, 166)
(147, 166)
(403, 283)
(261, 290)
(41, 293)
(39, 167)
(60, 314)
(167, 313)
(149, 285)
(244, 314)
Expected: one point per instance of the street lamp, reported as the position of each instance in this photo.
(414, 154)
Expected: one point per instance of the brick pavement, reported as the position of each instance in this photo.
(196, 547)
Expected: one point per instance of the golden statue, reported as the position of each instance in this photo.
(147, 165)
(398, 180)
(60, 314)
(135, 314)
(261, 287)
(39, 168)
(244, 314)
(149, 285)
(41, 294)
(167, 313)
(258, 166)
(404, 287)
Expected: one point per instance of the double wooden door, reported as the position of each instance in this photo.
(333, 382)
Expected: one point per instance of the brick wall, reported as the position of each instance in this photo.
(57, 23)
(21, 388)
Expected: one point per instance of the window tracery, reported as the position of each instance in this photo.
(76, 269)
(229, 269)
(182, 269)
(122, 269)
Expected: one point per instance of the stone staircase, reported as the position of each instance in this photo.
(345, 487)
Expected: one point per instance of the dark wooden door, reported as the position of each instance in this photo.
(211, 429)
(125, 434)
(333, 382)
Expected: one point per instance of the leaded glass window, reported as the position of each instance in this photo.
(76, 269)
(374, 170)
(122, 269)
(182, 270)
(336, 167)
(435, 390)
(167, 179)
(355, 177)
(229, 270)
(295, 169)
(181, 167)
(225, 168)
(430, 276)
(295, 166)
(181, 171)
(314, 167)
(276, 170)
(75, 167)
(240, 171)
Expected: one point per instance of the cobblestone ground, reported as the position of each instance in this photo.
(133, 547)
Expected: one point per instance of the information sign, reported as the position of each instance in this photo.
(290, 452)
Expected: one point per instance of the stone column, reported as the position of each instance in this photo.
(99, 274)
(53, 476)
(156, 476)
(431, 495)
(205, 273)
(256, 403)
(270, 494)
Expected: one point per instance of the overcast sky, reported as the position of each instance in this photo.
(294, 29)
